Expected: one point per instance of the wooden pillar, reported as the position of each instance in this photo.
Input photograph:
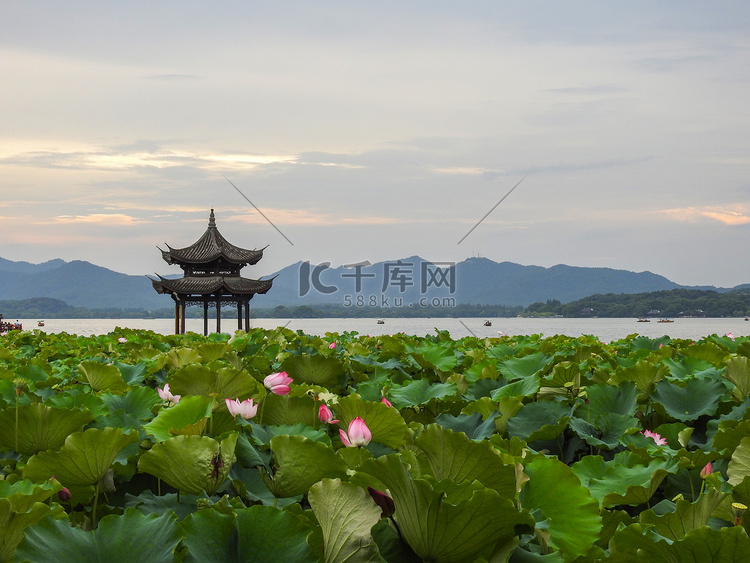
(205, 316)
(218, 314)
(239, 315)
(176, 317)
(182, 317)
(247, 316)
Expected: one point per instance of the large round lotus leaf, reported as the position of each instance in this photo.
(314, 369)
(385, 423)
(280, 410)
(84, 458)
(644, 374)
(738, 372)
(700, 545)
(138, 401)
(573, 515)
(451, 455)
(438, 530)
(259, 534)
(39, 427)
(604, 400)
(346, 514)
(131, 537)
(13, 523)
(223, 383)
(626, 479)
(191, 464)
(172, 420)
(300, 464)
(419, 392)
(525, 387)
(23, 494)
(544, 420)
(686, 516)
(739, 465)
(526, 366)
(607, 430)
(435, 355)
(696, 398)
(102, 377)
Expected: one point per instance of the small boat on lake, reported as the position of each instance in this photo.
(381, 322)
(666, 321)
(40, 323)
(643, 320)
(487, 323)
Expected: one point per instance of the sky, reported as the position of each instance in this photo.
(371, 131)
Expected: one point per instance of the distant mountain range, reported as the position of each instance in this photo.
(393, 283)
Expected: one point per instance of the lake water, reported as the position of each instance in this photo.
(604, 329)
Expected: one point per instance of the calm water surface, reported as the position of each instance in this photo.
(604, 329)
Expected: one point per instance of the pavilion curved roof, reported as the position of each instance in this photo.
(210, 247)
(207, 285)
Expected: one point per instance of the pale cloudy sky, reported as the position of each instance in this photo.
(380, 130)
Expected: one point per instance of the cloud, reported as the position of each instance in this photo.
(306, 217)
(173, 77)
(108, 219)
(735, 214)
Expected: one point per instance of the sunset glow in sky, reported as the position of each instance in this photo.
(377, 131)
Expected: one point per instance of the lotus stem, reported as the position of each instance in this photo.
(93, 512)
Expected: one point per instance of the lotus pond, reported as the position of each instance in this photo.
(134, 446)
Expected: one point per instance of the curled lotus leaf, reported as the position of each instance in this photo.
(40, 427)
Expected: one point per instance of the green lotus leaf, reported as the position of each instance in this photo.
(191, 464)
(644, 374)
(435, 355)
(132, 375)
(526, 366)
(739, 465)
(171, 420)
(471, 424)
(314, 369)
(14, 522)
(285, 410)
(102, 377)
(385, 423)
(84, 458)
(40, 427)
(212, 351)
(131, 537)
(182, 357)
(300, 464)
(607, 431)
(604, 400)
(138, 401)
(262, 434)
(690, 367)
(698, 397)
(149, 503)
(226, 382)
(451, 455)
(346, 514)
(419, 392)
(563, 374)
(624, 479)
(698, 546)
(261, 534)
(687, 515)
(738, 372)
(23, 494)
(574, 520)
(525, 387)
(544, 420)
(437, 530)
(708, 351)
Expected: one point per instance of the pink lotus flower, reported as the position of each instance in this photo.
(278, 383)
(122, 340)
(729, 335)
(655, 437)
(707, 470)
(246, 409)
(357, 435)
(167, 396)
(332, 346)
(325, 415)
(386, 402)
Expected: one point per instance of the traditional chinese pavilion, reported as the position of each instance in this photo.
(212, 278)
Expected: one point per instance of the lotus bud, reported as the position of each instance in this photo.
(385, 502)
(278, 383)
(325, 415)
(357, 435)
(64, 494)
(706, 471)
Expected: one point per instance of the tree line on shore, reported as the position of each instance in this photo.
(670, 303)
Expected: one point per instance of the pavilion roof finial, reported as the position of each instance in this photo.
(212, 220)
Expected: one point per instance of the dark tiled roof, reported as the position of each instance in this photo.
(205, 285)
(210, 247)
